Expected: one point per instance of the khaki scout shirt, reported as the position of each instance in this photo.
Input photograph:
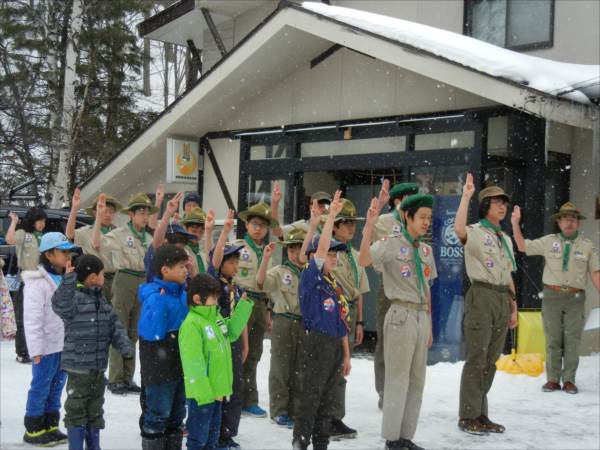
(28, 253)
(485, 257)
(126, 251)
(248, 268)
(282, 286)
(387, 225)
(393, 256)
(83, 238)
(345, 276)
(582, 259)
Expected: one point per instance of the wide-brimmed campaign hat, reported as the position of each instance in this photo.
(140, 200)
(493, 191)
(261, 210)
(91, 210)
(195, 216)
(568, 209)
(294, 236)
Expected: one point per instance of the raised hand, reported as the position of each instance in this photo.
(336, 204)
(101, 205)
(173, 204)
(209, 223)
(315, 213)
(69, 267)
(269, 249)
(373, 211)
(276, 194)
(228, 224)
(469, 187)
(515, 218)
(76, 200)
(384, 194)
(13, 217)
(160, 194)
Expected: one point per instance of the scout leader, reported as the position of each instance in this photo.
(126, 247)
(198, 224)
(82, 237)
(324, 345)
(389, 224)
(568, 257)
(490, 305)
(281, 283)
(258, 219)
(353, 280)
(323, 200)
(408, 269)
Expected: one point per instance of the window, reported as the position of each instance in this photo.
(514, 24)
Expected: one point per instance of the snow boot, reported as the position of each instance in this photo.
(52, 420)
(36, 432)
(154, 441)
(339, 430)
(92, 438)
(76, 436)
(174, 440)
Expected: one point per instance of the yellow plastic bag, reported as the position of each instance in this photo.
(531, 364)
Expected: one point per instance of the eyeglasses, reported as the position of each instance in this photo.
(498, 201)
(258, 225)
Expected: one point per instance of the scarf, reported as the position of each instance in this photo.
(195, 248)
(38, 237)
(567, 249)
(294, 268)
(418, 263)
(352, 263)
(258, 250)
(141, 236)
(498, 231)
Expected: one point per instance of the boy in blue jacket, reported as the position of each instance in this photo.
(163, 309)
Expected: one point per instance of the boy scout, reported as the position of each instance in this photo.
(490, 306)
(323, 201)
(408, 269)
(82, 237)
(353, 280)
(568, 258)
(194, 222)
(281, 283)
(258, 219)
(390, 224)
(126, 247)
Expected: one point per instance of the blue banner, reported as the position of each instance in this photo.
(447, 302)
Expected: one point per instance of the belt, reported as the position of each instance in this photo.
(135, 273)
(290, 316)
(257, 295)
(411, 305)
(563, 289)
(493, 287)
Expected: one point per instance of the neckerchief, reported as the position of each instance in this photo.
(38, 237)
(258, 250)
(342, 301)
(106, 230)
(294, 268)
(195, 248)
(567, 249)
(352, 263)
(229, 291)
(396, 215)
(141, 236)
(498, 231)
(418, 264)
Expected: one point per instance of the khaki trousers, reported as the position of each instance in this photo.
(381, 308)
(340, 389)
(256, 333)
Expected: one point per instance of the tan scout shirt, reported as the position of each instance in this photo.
(583, 259)
(387, 225)
(344, 274)
(485, 257)
(28, 254)
(393, 256)
(125, 249)
(83, 238)
(248, 268)
(282, 286)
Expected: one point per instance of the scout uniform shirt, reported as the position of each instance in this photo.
(486, 258)
(83, 238)
(388, 225)
(394, 257)
(281, 283)
(196, 251)
(582, 258)
(126, 248)
(250, 259)
(351, 276)
(28, 253)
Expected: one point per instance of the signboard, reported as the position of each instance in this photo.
(447, 302)
(183, 161)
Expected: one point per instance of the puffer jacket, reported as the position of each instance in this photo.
(91, 326)
(44, 330)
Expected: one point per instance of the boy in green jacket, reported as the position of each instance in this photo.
(204, 345)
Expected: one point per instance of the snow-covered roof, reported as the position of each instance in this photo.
(577, 82)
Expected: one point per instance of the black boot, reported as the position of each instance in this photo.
(36, 432)
(339, 430)
(154, 441)
(299, 445)
(174, 440)
(52, 421)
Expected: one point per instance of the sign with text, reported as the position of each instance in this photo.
(183, 161)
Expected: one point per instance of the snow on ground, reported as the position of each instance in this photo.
(534, 420)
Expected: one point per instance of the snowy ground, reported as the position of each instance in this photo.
(534, 420)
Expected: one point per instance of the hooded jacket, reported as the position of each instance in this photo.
(204, 344)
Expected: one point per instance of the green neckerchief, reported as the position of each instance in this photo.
(498, 231)
(567, 249)
(418, 265)
(38, 237)
(352, 263)
(258, 250)
(105, 230)
(141, 236)
(396, 215)
(195, 247)
(294, 268)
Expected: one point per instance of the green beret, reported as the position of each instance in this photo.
(402, 189)
(417, 201)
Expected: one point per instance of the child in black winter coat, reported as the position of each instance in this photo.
(91, 326)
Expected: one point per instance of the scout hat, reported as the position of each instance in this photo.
(137, 200)
(493, 191)
(261, 210)
(91, 210)
(321, 196)
(417, 201)
(195, 216)
(334, 245)
(403, 189)
(568, 209)
(191, 197)
(294, 236)
(348, 211)
(55, 240)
